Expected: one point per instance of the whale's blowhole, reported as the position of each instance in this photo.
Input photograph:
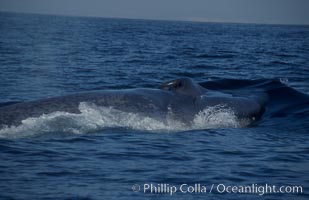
(184, 86)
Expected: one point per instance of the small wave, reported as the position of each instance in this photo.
(282, 63)
(216, 56)
(93, 118)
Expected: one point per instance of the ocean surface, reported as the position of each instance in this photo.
(67, 157)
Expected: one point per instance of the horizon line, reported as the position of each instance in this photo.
(154, 19)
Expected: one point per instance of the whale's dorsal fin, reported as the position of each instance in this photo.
(183, 86)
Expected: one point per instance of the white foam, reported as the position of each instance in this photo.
(216, 117)
(93, 118)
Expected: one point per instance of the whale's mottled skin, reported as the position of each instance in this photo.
(181, 97)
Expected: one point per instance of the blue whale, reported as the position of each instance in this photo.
(180, 99)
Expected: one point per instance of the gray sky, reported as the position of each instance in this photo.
(248, 11)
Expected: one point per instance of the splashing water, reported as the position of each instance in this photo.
(93, 118)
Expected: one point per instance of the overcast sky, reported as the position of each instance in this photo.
(248, 11)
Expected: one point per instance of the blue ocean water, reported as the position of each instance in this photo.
(44, 56)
